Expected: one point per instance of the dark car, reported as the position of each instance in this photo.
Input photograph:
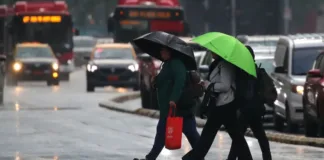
(313, 99)
(33, 61)
(112, 65)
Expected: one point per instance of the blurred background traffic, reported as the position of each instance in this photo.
(48, 40)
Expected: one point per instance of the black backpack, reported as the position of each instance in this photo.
(193, 88)
(266, 90)
(244, 87)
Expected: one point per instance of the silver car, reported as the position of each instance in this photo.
(259, 40)
(294, 56)
(83, 46)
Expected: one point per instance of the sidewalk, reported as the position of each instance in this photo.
(130, 103)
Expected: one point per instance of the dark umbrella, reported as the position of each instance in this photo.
(153, 42)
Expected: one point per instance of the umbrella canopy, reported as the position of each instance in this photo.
(153, 42)
(229, 48)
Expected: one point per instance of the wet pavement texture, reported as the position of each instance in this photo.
(65, 123)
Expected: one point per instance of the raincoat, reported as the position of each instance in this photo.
(170, 83)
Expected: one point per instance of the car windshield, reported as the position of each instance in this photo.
(267, 64)
(34, 52)
(84, 43)
(303, 59)
(113, 53)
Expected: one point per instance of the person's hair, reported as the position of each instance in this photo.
(250, 50)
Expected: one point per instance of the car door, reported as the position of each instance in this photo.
(311, 89)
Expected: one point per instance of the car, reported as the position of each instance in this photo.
(83, 46)
(266, 61)
(33, 61)
(313, 97)
(112, 64)
(198, 55)
(203, 65)
(294, 57)
(259, 40)
(148, 68)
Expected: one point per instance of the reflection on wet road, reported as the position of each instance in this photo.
(65, 123)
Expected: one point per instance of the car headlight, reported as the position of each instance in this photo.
(133, 67)
(92, 68)
(298, 89)
(55, 66)
(17, 66)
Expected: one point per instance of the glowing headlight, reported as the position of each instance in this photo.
(91, 68)
(55, 66)
(300, 89)
(133, 67)
(17, 66)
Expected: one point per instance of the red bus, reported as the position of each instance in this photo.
(45, 22)
(132, 18)
(4, 11)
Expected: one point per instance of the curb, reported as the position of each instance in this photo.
(272, 136)
(126, 97)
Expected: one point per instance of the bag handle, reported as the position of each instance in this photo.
(172, 111)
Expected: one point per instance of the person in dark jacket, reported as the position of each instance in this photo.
(222, 111)
(251, 115)
(170, 83)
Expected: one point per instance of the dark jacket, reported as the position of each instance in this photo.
(170, 83)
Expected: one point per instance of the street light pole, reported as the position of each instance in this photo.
(286, 16)
(206, 4)
(233, 15)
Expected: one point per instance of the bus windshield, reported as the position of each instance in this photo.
(58, 35)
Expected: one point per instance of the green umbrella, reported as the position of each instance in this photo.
(229, 48)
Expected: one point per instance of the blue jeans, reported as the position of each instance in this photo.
(189, 129)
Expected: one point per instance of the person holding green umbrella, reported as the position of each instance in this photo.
(229, 56)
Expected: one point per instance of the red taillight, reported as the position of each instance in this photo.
(171, 26)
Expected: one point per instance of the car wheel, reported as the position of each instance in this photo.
(90, 87)
(145, 97)
(65, 76)
(310, 126)
(49, 83)
(321, 128)
(12, 81)
(278, 122)
(1, 97)
(56, 82)
(291, 127)
(136, 88)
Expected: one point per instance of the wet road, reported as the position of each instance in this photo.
(65, 122)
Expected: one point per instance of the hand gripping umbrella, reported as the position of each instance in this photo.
(153, 42)
(229, 48)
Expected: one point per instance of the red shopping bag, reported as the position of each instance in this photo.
(173, 135)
